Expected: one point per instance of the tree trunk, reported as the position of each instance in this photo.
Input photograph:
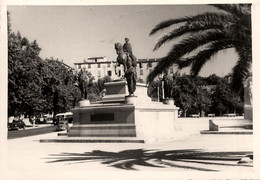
(185, 113)
(55, 103)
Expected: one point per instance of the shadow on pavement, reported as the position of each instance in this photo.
(191, 159)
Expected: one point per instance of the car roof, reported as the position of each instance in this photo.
(66, 113)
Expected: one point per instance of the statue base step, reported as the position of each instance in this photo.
(65, 139)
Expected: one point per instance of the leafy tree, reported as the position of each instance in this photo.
(8, 23)
(101, 82)
(154, 88)
(224, 99)
(202, 100)
(59, 87)
(182, 94)
(23, 76)
(97, 90)
(213, 79)
(188, 94)
(205, 35)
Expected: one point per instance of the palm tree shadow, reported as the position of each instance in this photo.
(128, 159)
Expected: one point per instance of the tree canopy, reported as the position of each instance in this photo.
(195, 94)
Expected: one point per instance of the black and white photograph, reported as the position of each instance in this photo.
(129, 90)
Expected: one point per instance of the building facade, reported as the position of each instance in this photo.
(100, 67)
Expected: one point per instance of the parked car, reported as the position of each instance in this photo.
(40, 120)
(49, 120)
(15, 125)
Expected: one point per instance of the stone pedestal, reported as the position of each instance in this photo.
(248, 107)
(117, 91)
(120, 115)
(130, 99)
(248, 112)
(168, 101)
(83, 103)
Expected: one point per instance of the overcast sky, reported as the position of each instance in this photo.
(74, 33)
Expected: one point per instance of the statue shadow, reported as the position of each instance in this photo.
(191, 159)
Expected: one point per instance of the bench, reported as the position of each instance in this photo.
(218, 125)
(211, 115)
(229, 115)
(195, 116)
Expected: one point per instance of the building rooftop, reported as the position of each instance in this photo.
(96, 60)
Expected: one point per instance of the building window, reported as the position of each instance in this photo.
(150, 64)
(99, 73)
(109, 73)
(140, 65)
(79, 66)
(119, 73)
(108, 65)
(89, 66)
(141, 72)
(98, 65)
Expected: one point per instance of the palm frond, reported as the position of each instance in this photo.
(204, 56)
(202, 23)
(208, 16)
(196, 62)
(161, 66)
(242, 69)
(194, 41)
(186, 46)
(168, 23)
(235, 9)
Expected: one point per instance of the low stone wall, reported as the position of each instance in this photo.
(192, 126)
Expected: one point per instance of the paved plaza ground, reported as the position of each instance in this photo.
(196, 157)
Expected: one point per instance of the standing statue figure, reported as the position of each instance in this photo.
(129, 63)
(166, 86)
(84, 80)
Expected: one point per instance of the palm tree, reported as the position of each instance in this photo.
(205, 35)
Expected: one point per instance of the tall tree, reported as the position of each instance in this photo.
(223, 98)
(205, 35)
(188, 93)
(213, 79)
(154, 90)
(183, 93)
(24, 78)
(96, 90)
(59, 87)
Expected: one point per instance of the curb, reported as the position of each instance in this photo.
(226, 132)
